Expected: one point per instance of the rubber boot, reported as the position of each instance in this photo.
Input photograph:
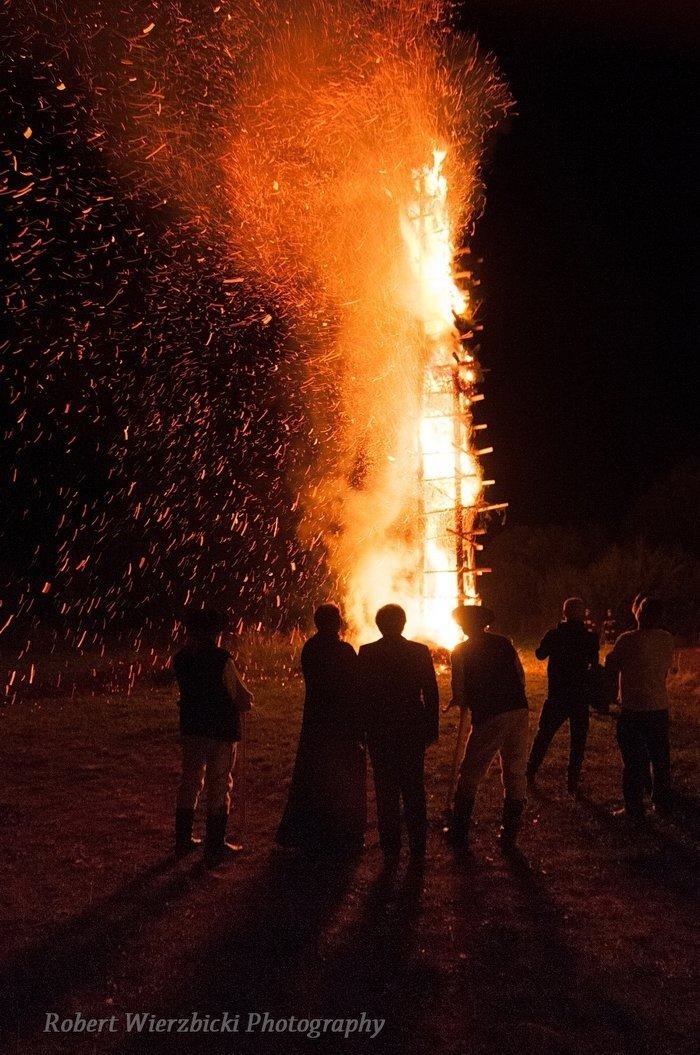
(511, 823)
(185, 843)
(216, 849)
(457, 832)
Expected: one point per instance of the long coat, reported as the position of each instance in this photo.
(327, 807)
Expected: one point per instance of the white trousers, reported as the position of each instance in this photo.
(208, 764)
(505, 735)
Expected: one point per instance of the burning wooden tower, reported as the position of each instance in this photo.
(451, 486)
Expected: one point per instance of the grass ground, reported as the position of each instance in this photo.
(585, 945)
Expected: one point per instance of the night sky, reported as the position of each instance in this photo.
(589, 274)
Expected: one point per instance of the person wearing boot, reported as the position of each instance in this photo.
(399, 703)
(212, 699)
(572, 653)
(488, 679)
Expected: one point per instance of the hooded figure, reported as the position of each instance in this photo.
(326, 809)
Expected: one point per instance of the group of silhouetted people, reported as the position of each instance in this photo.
(384, 701)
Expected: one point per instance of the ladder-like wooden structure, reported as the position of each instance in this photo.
(454, 505)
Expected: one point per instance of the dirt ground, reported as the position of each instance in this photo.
(583, 945)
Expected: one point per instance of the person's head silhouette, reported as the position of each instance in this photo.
(390, 620)
(473, 618)
(327, 618)
(204, 624)
(650, 614)
(574, 610)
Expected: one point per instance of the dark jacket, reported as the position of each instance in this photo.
(572, 651)
(329, 666)
(487, 677)
(206, 709)
(398, 691)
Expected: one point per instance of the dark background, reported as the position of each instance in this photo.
(588, 241)
(149, 422)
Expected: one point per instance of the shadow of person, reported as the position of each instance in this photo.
(260, 954)
(557, 1002)
(686, 813)
(380, 968)
(659, 848)
(79, 951)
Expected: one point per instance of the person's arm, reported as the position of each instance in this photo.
(351, 687)
(457, 666)
(305, 661)
(520, 670)
(363, 693)
(544, 649)
(241, 697)
(431, 697)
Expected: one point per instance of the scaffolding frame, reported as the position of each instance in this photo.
(448, 390)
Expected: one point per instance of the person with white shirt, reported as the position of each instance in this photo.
(642, 660)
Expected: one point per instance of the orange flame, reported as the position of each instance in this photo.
(354, 164)
(421, 573)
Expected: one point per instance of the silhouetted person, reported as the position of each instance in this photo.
(635, 607)
(212, 698)
(488, 678)
(572, 652)
(400, 704)
(642, 659)
(326, 808)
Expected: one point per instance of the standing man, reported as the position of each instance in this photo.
(400, 704)
(488, 678)
(572, 652)
(642, 659)
(212, 699)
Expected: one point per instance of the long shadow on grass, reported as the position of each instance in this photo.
(77, 952)
(264, 956)
(656, 852)
(381, 970)
(524, 988)
(687, 813)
